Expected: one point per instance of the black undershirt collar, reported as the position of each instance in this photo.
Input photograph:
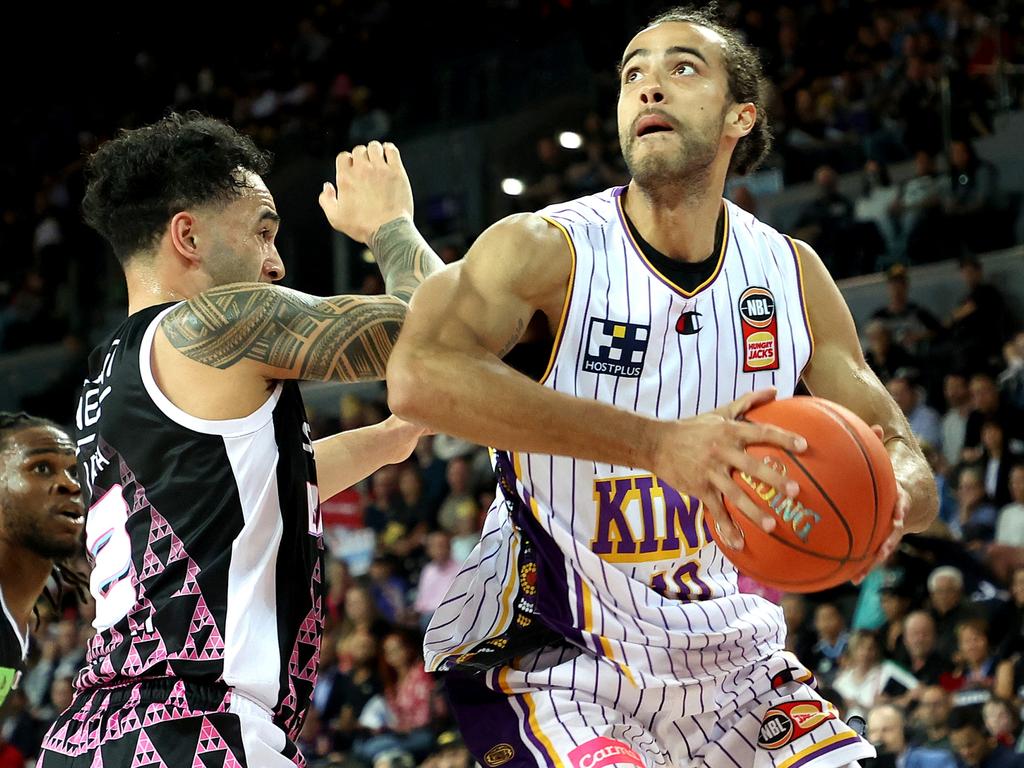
(688, 275)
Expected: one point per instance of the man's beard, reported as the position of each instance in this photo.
(682, 170)
(32, 534)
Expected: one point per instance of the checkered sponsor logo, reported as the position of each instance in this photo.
(616, 348)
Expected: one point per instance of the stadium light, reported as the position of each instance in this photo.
(513, 187)
(570, 140)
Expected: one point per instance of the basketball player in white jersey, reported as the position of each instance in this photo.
(194, 452)
(598, 621)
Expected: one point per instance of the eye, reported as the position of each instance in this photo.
(686, 66)
(631, 76)
(42, 468)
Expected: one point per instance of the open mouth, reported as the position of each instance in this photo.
(72, 513)
(650, 124)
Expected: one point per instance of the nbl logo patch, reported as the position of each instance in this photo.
(788, 721)
(760, 329)
(616, 348)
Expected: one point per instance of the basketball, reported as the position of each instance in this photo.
(843, 513)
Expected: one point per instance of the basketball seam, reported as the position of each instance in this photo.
(871, 471)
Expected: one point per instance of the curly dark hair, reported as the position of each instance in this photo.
(747, 82)
(141, 179)
(63, 574)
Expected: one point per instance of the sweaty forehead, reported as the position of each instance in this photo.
(35, 440)
(669, 34)
(256, 193)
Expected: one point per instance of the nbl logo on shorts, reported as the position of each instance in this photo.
(616, 348)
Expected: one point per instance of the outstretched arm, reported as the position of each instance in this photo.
(446, 372)
(342, 460)
(285, 334)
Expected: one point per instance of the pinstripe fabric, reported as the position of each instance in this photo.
(640, 575)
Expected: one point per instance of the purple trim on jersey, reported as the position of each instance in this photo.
(849, 741)
(472, 703)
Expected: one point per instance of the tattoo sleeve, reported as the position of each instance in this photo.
(404, 257)
(343, 338)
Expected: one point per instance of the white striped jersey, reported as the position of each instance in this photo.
(624, 561)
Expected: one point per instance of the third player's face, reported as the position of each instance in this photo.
(40, 499)
(240, 239)
(673, 100)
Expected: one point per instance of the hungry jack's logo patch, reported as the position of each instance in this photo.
(759, 330)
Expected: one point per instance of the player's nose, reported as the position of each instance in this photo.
(273, 268)
(652, 93)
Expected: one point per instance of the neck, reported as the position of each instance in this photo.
(147, 287)
(679, 224)
(23, 575)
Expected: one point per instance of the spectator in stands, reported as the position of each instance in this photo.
(432, 471)
(1001, 721)
(979, 324)
(385, 499)
(924, 420)
(987, 404)
(437, 576)
(875, 205)
(467, 532)
(409, 518)
(1011, 380)
(954, 422)
(361, 613)
(830, 627)
(865, 674)
(931, 718)
(882, 355)
(411, 701)
(911, 325)
(996, 461)
(948, 607)
(827, 224)
(895, 596)
(888, 732)
(339, 579)
(976, 518)
(973, 744)
(1012, 624)
(798, 639)
(975, 667)
(948, 507)
(460, 503)
(389, 590)
(1010, 525)
(972, 198)
(353, 689)
(919, 209)
(22, 731)
(917, 652)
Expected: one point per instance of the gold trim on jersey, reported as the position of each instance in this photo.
(542, 737)
(803, 295)
(678, 289)
(557, 342)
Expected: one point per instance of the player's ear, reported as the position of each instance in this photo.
(183, 236)
(740, 119)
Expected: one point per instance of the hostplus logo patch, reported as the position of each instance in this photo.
(616, 348)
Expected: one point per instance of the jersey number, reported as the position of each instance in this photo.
(110, 547)
(683, 584)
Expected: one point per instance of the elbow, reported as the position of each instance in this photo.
(406, 378)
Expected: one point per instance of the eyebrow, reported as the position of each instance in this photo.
(37, 451)
(271, 215)
(674, 49)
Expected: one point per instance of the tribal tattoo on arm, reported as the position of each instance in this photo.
(404, 257)
(295, 335)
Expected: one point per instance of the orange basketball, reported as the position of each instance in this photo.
(843, 513)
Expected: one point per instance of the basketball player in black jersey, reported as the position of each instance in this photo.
(41, 524)
(195, 454)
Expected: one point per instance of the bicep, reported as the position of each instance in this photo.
(837, 370)
(485, 302)
(285, 334)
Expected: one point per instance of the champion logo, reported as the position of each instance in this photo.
(689, 323)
